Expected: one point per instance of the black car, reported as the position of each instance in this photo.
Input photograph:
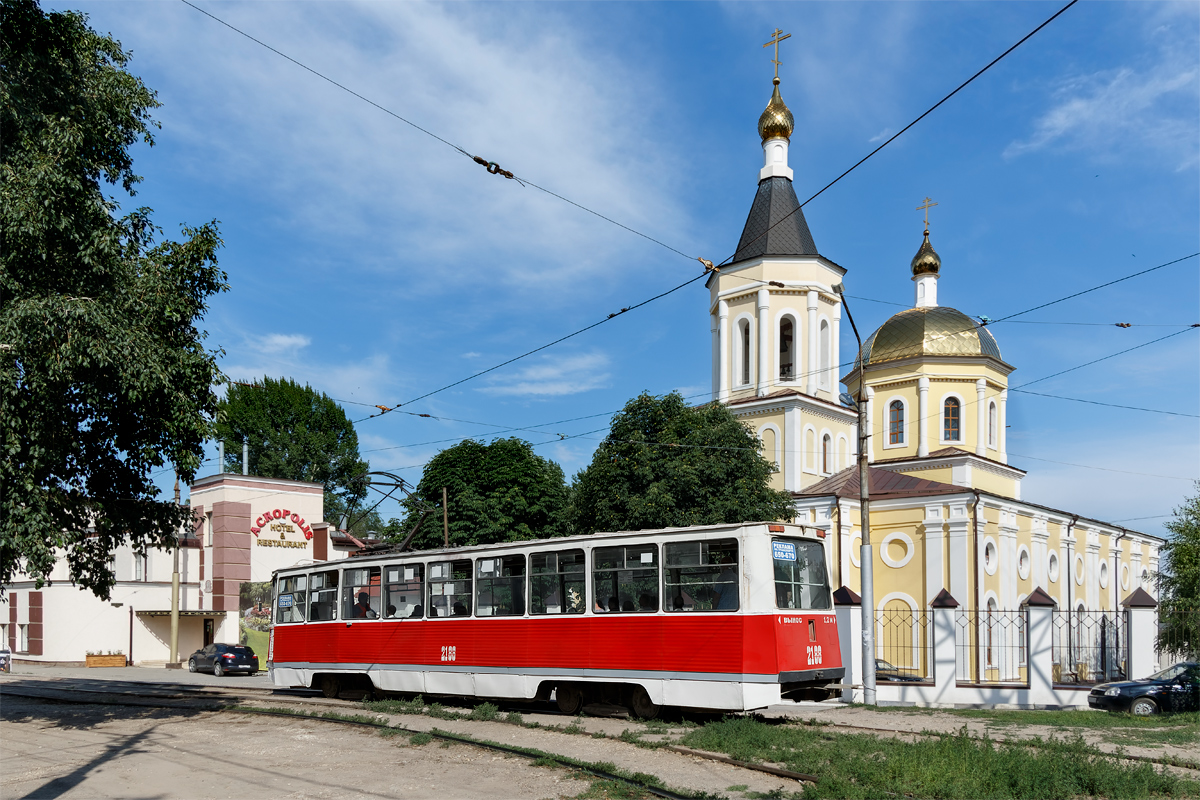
(1176, 688)
(223, 658)
(890, 672)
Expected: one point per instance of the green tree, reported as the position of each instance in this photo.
(1179, 581)
(665, 463)
(105, 377)
(498, 492)
(294, 433)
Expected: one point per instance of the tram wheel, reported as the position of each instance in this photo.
(569, 698)
(641, 705)
(329, 686)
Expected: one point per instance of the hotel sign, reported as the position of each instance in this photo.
(281, 521)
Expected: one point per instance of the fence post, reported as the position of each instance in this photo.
(849, 623)
(1141, 620)
(945, 673)
(1039, 647)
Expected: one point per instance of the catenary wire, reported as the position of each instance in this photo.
(1108, 405)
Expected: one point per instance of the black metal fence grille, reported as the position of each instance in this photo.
(991, 647)
(1178, 631)
(1089, 647)
(903, 645)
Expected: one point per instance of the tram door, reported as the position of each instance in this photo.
(208, 632)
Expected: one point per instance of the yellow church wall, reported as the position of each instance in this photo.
(769, 427)
(990, 482)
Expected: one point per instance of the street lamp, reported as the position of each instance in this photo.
(865, 558)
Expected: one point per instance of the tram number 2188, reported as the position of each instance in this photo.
(814, 654)
(448, 652)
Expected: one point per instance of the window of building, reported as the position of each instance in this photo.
(450, 589)
(810, 450)
(403, 588)
(800, 578)
(826, 352)
(992, 421)
(625, 579)
(701, 576)
(208, 529)
(952, 420)
(744, 343)
(500, 586)
(139, 567)
(896, 422)
(989, 629)
(291, 599)
(556, 582)
(826, 454)
(322, 601)
(787, 349)
(361, 593)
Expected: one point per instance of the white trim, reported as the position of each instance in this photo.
(993, 432)
(1124, 577)
(825, 363)
(1024, 573)
(1053, 568)
(771, 426)
(1079, 568)
(887, 423)
(854, 559)
(962, 420)
(908, 555)
(736, 360)
(826, 434)
(1103, 573)
(838, 465)
(988, 541)
(809, 458)
(913, 607)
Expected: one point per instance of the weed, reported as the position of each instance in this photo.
(544, 762)
(419, 739)
(484, 712)
(574, 727)
(603, 789)
(393, 706)
(599, 735)
(513, 718)
(741, 787)
(390, 733)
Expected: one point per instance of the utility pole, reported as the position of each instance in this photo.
(866, 559)
(174, 663)
(445, 519)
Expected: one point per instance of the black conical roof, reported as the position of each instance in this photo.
(776, 225)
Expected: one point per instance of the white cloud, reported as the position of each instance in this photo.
(471, 354)
(555, 376)
(280, 343)
(879, 137)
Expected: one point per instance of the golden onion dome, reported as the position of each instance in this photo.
(935, 331)
(926, 261)
(776, 121)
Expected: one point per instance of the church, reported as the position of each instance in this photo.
(946, 508)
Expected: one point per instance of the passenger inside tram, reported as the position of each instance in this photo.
(417, 612)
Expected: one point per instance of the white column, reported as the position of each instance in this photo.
(723, 335)
(1040, 654)
(1143, 653)
(980, 418)
(1092, 581)
(716, 357)
(923, 416)
(869, 393)
(925, 290)
(814, 363)
(775, 159)
(1114, 572)
(1003, 432)
(944, 653)
(793, 441)
(834, 359)
(958, 545)
(935, 551)
(849, 622)
(764, 369)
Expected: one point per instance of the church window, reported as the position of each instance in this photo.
(991, 612)
(1052, 568)
(824, 344)
(896, 422)
(952, 420)
(810, 450)
(744, 335)
(787, 349)
(826, 447)
(991, 423)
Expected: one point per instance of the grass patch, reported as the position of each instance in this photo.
(513, 718)
(958, 766)
(419, 739)
(741, 787)
(484, 712)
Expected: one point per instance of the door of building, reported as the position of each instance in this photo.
(208, 631)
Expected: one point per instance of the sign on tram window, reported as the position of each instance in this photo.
(292, 599)
(361, 593)
(500, 586)
(701, 576)
(322, 604)
(625, 579)
(450, 589)
(556, 582)
(404, 586)
(800, 577)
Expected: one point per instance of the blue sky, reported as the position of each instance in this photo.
(378, 264)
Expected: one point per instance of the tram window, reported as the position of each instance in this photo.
(322, 604)
(625, 579)
(556, 582)
(701, 576)
(291, 599)
(403, 589)
(450, 589)
(361, 593)
(800, 578)
(500, 586)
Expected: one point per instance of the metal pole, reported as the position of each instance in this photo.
(129, 660)
(175, 590)
(866, 559)
(221, 456)
(245, 456)
(445, 519)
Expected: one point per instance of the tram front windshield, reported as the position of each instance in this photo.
(800, 577)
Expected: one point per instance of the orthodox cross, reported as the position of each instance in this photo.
(928, 205)
(776, 38)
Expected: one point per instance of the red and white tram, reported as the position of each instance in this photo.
(730, 617)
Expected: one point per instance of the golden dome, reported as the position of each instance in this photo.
(936, 331)
(776, 120)
(926, 260)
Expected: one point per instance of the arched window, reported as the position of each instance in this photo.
(952, 420)
(744, 335)
(823, 341)
(787, 349)
(810, 450)
(826, 454)
(896, 422)
(991, 612)
(992, 423)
